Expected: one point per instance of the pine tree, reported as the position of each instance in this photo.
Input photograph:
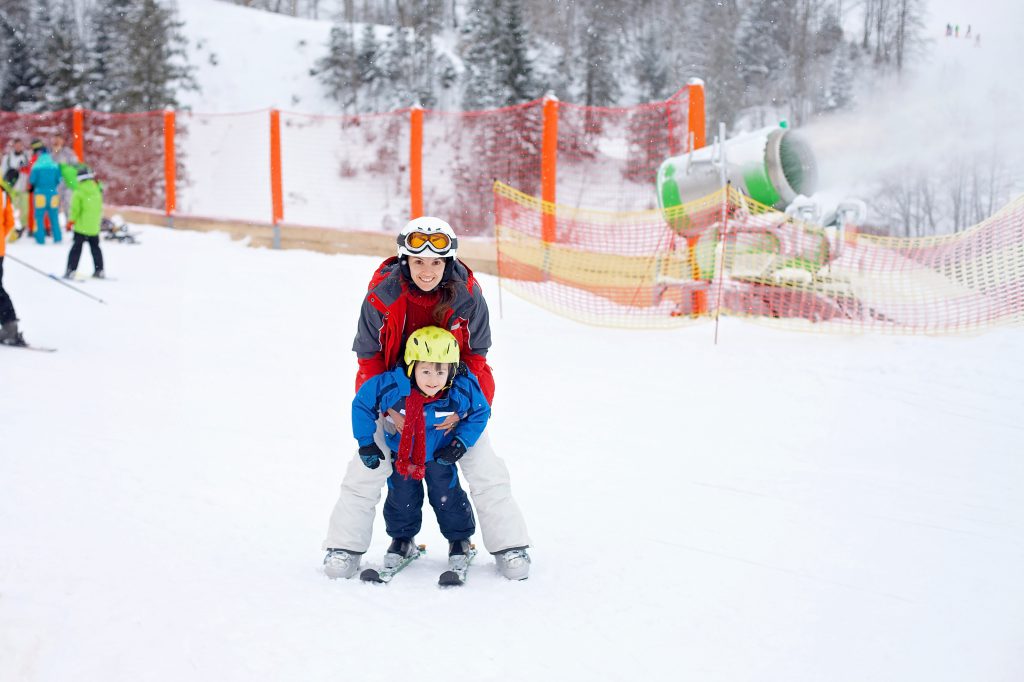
(369, 75)
(712, 54)
(650, 67)
(841, 80)
(22, 78)
(397, 66)
(495, 50)
(65, 57)
(339, 69)
(598, 46)
(479, 34)
(427, 65)
(158, 68)
(763, 52)
(107, 64)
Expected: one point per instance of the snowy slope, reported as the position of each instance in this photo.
(249, 59)
(777, 507)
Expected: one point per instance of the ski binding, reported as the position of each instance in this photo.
(384, 575)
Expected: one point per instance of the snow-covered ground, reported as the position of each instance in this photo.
(777, 507)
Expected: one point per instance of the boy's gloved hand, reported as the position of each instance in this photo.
(371, 455)
(451, 453)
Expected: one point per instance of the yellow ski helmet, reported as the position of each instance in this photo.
(431, 344)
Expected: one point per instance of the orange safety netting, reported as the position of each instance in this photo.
(726, 254)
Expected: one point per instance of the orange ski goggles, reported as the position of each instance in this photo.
(437, 242)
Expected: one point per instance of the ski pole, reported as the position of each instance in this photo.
(55, 279)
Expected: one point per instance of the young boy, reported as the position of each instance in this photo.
(430, 388)
(86, 216)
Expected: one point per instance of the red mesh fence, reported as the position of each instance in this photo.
(356, 172)
(464, 153)
(608, 158)
(30, 127)
(346, 171)
(126, 151)
(227, 157)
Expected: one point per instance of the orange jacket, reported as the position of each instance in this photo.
(6, 219)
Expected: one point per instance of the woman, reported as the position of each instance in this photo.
(426, 285)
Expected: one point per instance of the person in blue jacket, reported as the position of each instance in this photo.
(44, 179)
(432, 386)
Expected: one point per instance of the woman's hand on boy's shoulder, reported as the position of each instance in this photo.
(449, 423)
(397, 417)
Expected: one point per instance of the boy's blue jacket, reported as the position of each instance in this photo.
(389, 391)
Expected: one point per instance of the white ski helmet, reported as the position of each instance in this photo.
(427, 234)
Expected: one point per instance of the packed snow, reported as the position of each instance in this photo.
(779, 506)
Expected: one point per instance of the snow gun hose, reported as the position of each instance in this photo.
(55, 279)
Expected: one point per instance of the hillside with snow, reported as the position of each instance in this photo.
(779, 507)
(249, 59)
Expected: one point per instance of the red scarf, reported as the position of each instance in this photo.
(414, 436)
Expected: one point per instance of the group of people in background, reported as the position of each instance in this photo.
(49, 181)
(953, 31)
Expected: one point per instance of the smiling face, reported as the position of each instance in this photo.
(431, 377)
(426, 272)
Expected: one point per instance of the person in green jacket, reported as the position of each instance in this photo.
(85, 217)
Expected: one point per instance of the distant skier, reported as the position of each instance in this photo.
(43, 180)
(968, 34)
(9, 334)
(431, 386)
(85, 218)
(62, 155)
(15, 166)
(949, 30)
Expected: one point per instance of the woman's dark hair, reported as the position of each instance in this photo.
(446, 292)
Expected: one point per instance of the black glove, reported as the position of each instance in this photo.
(371, 455)
(451, 453)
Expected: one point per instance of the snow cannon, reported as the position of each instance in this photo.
(772, 165)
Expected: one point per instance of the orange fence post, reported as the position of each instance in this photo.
(695, 115)
(548, 168)
(416, 161)
(170, 166)
(78, 133)
(695, 140)
(276, 193)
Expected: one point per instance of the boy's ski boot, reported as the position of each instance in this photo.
(341, 564)
(69, 274)
(401, 553)
(99, 274)
(399, 550)
(460, 555)
(513, 563)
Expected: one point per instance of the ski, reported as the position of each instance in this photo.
(456, 575)
(385, 575)
(39, 349)
(89, 278)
